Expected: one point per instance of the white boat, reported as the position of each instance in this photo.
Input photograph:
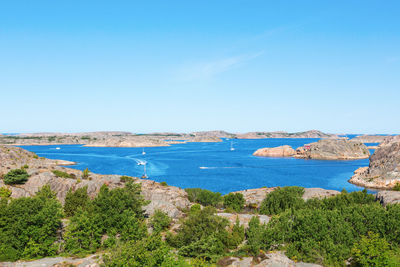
(143, 153)
(58, 148)
(232, 148)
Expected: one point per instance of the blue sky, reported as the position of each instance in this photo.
(147, 66)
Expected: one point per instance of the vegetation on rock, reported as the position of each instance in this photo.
(234, 201)
(203, 196)
(16, 176)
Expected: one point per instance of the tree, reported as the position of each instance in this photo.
(16, 176)
(234, 201)
(160, 221)
(203, 196)
(29, 225)
(281, 199)
(75, 200)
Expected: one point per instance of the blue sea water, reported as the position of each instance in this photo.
(211, 166)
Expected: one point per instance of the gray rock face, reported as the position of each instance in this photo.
(254, 197)
(370, 138)
(90, 261)
(244, 219)
(277, 259)
(388, 197)
(384, 166)
(333, 149)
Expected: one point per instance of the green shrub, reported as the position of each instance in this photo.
(195, 208)
(236, 235)
(202, 234)
(281, 199)
(5, 192)
(234, 201)
(372, 250)
(254, 235)
(75, 200)
(62, 174)
(125, 178)
(85, 173)
(16, 176)
(160, 221)
(203, 196)
(29, 225)
(164, 184)
(25, 166)
(397, 187)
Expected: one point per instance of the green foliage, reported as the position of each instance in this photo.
(254, 234)
(62, 174)
(164, 184)
(195, 208)
(236, 236)
(372, 250)
(16, 176)
(75, 200)
(202, 234)
(234, 201)
(85, 173)
(397, 187)
(25, 167)
(28, 226)
(281, 199)
(147, 252)
(324, 231)
(160, 221)
(5, 192)
(115, 213)
(125, 178)
(203, 196)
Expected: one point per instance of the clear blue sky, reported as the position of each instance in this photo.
(146, 66)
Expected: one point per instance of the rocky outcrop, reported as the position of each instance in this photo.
(254, 197)
(244, 219)
(90, 261)
(370, 138)
(388, 197)
(169, 199)
(333, 149)
(273, 259)
(307, 134)
(383, 171)
(280, 151)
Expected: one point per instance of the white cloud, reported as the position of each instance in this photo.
(207, 70)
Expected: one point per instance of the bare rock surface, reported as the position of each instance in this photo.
(333, 149)
(276, 259)
(90, 261)
(280, 151)
(244, 219)
(254, 197)
(370, 138)
(388, 197)
(306, 134)
(383, 171)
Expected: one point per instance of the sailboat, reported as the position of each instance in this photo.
(143, 153)
(232, 148)
(144, 176)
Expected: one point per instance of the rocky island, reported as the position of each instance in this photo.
(383, 171)
(325, 149)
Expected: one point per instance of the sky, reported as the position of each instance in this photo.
(182, 66)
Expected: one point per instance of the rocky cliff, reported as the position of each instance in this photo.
(333, 149)
(384, 166)
(280, 151)
(370, 138)
(307, 134)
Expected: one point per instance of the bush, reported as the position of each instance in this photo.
(125, 178)
(29, 225)
(62, 174)
(372, 250)
(115, 213)
(397, 187)
(160, 221)
(281, 199)
(234, 201)
(85, 173)
(164, 184)
(75, 200)
(16, 176)
(203, 196)
(202, 234)
(5, 192)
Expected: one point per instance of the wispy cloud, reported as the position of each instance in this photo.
(209, 69)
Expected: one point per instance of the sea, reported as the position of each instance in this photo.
(212, 166)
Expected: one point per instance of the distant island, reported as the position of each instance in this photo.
(127, 139)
